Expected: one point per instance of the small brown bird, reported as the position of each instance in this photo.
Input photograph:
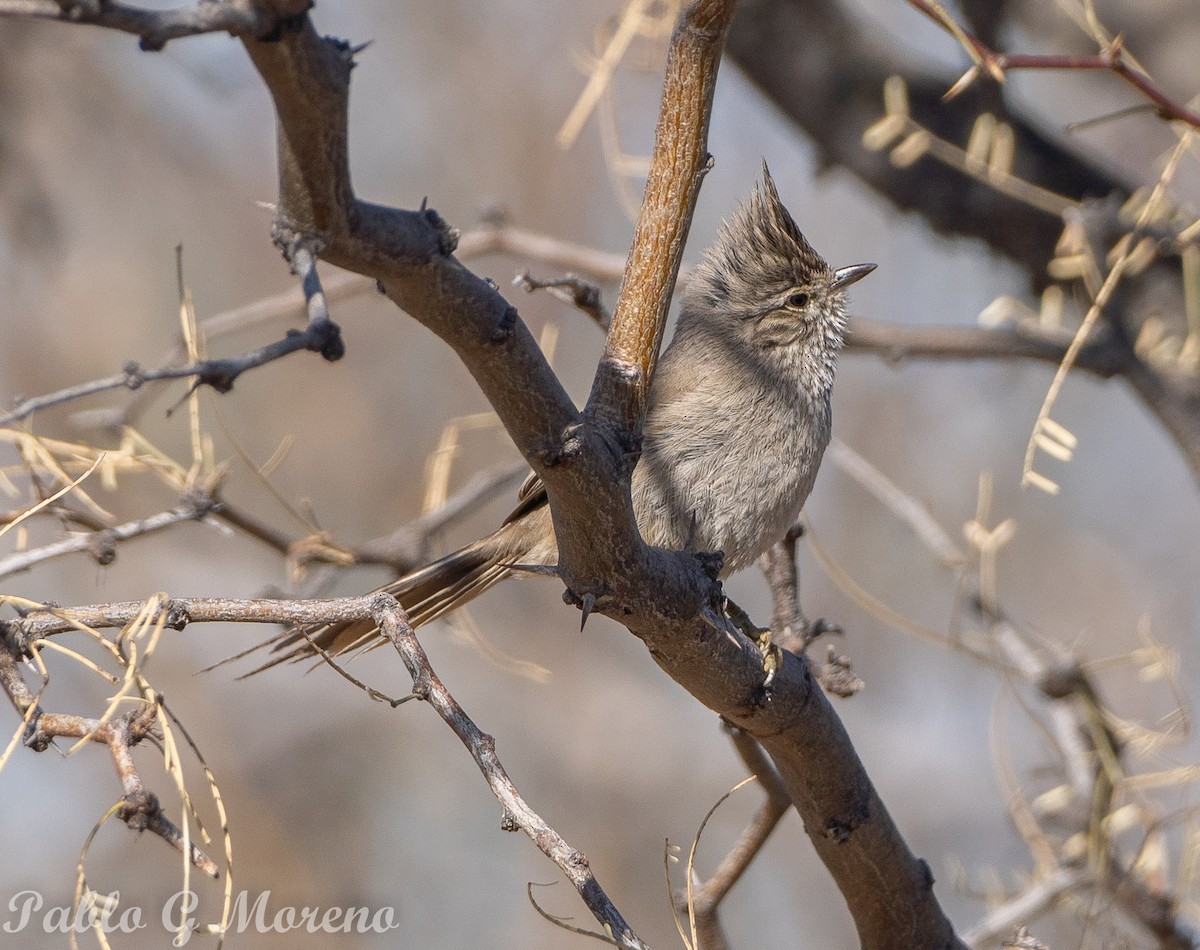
(739, 418)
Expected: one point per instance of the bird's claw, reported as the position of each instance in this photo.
(772, 656)
(816, 629)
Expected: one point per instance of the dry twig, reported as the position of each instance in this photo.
(21, 635)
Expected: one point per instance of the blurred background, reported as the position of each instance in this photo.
(110, 157)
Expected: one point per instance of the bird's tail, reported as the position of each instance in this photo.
(425, 594)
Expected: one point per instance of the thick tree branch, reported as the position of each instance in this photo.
(664, 598)
(677, 167)
(409, 252)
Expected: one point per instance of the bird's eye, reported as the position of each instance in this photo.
(798, 300)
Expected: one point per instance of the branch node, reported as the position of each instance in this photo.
(837, 677)
(564, 450)
(285, 25)
(711, 563)
(447, 236)
(139, 810)
(35, 737)
(504, 328)
(577, 859)
(841, 827)
(1062, 681)
(134, 377)
(325, 337)
(198, 504)
(103, 546)
(178, 616)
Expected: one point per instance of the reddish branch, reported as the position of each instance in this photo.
(1112, 58)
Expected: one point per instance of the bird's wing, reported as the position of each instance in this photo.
(530, 496)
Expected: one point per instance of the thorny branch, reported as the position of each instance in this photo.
(140, 808)
(320, 336)
(490, 238)
(102, 542)
(19, 636)
(517, 814)
(665, 598)
(155, 28)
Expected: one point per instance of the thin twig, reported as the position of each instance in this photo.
(406, 548)
(385, 612)
(1112, 58)
(553, 252)
(898, 342)
(102, 544)
(574, 290)
(322, 337)
(155, 28)
(707, 898)
(139, 808)
(1038, 897)
(516, 813)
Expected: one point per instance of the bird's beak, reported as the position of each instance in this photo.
(843, 277)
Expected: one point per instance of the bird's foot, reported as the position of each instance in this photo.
(772, 655)
(815, 629)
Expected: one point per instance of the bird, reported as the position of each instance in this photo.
(738, 420)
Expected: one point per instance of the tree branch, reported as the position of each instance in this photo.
(707, 897)
(155, 28)
(102, 543)
(826, 71)
(139, 808)
(665, 598)
(20, 634)
(669, 599)
(898, 342)
(1112, 58)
